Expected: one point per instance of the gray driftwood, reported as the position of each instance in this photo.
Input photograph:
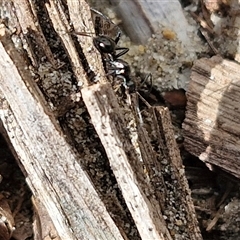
(153, 184)
(211, 126)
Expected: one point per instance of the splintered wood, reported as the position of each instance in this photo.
(53, 172)
(142, 153)
(212, 127)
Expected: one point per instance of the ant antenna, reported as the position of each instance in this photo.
(82, 33)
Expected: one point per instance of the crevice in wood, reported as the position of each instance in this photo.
(110, 186)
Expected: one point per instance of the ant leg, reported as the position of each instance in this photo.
(124, 81)
(82, 33)
(149, 76)
(124, 51)
(144, 100)
(135, 105)
(117, 38)
(139, 111)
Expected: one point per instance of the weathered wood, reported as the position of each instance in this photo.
(171, 187)
(153, 193)
(112, 130)
(111, 127)
(211, 126)
(53, 171)
(27, 19)
(43, 228)
(110, 123)
(7, 220)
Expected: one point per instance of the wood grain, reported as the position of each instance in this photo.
(53, 171)
(211, 126)
(152, 192)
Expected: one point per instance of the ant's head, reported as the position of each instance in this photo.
(104, 44)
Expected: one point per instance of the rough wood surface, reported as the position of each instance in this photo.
(171, 187)
(53, 172)
(110, 124)
(112, 130)
(211, 126)
(154, 194)
(43, 227)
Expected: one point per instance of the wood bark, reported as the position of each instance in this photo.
(211, 126)
(152, 182)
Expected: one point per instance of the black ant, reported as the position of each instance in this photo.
(108, 48)
(108, 36)
(119, 69)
